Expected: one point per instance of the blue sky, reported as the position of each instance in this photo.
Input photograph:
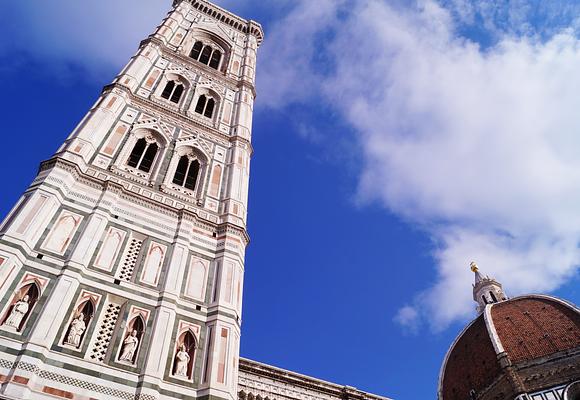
(395, 142)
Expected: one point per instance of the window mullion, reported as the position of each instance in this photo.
(186, 173)
(143, 155)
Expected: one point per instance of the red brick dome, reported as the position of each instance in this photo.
(522, 329)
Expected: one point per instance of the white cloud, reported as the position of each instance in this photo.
(408, 318)
(98, 36)
(286, 73)
(479, 147)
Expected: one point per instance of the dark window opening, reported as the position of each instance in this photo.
(176, 96)
(192, 174)
(173, 91)
(137, 152)
(493, 297)
(215, 59)
(484, 299)
(143, 155)
(205, 55)
(179, 177)
(205, 106)
(209, 108)
(166, 94)
(186, 173)
(196, 51)
(200, 104)
(148, 158)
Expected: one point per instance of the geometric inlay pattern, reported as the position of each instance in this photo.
(67, 380)
(105, 332)
(130, 259)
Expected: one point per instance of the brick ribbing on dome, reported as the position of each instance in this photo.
(531, 328)
(472, 363)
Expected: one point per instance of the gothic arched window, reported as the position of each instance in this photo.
(196, 50)
(173, 91)
(205, 106)
(143, 155)
(206, 55)
(216, 57)
(186, 173)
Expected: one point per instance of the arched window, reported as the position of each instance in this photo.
(173, 91)
(143, 155)
(186, 173)
(196, 50)
(205, 106)
(216, 57)
(493, 297)
(206, 55)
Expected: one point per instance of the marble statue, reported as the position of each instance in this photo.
(182, 362)
(19, 310)
(77, 328)
(129, 347)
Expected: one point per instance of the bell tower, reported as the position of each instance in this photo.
(121, 266)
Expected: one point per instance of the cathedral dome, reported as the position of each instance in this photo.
(518, 332)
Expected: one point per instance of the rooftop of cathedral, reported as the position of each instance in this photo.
(291, 385)
(522, 331)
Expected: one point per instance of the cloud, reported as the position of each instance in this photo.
(516, 17)
(478, 146)
(288, 73)
(408, 318)
(82, 39)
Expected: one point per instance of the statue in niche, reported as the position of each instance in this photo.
(76, 330)
(19, 311)
(130, 345)
(181, 362)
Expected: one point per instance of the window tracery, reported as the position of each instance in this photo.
(143, 154)
(206, 54)
(205, 106)
(187, 172)
(173, 91)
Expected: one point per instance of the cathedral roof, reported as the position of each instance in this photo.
(522, 329)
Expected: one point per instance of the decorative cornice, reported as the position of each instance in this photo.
(176, 118)
(119, 189)
(226, 17)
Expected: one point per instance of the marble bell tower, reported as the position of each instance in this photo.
(121, 266)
